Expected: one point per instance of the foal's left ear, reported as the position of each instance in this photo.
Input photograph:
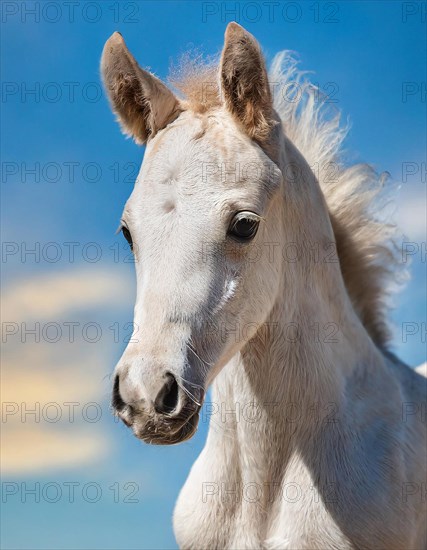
(143, 104)
(244, 82)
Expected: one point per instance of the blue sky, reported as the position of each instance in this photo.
(372, 55)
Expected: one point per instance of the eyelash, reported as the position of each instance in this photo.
(244, 234)
(127, 235)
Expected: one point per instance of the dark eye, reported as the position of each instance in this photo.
(127, 236)
(244, 226)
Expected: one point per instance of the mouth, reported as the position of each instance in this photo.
(168, 436)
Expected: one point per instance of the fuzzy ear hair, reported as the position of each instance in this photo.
(143, 104)
(244, 82)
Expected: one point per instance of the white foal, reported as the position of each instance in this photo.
(261, 271)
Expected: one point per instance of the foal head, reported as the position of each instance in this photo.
(205, 199)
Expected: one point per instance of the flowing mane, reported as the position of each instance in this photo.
(355, 194)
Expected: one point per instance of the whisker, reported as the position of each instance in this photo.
(193, 384)
(191, 348)
(187, 391)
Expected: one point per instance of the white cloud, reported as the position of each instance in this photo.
(411, 214)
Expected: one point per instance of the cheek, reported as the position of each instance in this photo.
(261, 279)
(247, 296)
(261, 286)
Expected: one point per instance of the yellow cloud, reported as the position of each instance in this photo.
(35, 374)
(52, 295)
(29, 449)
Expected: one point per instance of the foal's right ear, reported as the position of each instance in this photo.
(143, 104)
(244, 83)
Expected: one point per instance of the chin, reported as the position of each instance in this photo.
(184, 433)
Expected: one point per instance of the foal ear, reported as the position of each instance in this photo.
(143, 104)
(244, 82)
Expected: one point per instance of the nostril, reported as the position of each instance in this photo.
(167, 398)
(117, 401)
